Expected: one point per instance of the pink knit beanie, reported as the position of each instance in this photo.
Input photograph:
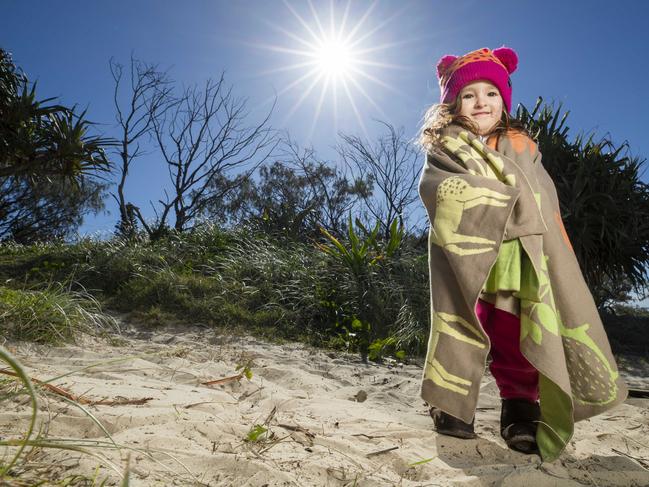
(455, 72)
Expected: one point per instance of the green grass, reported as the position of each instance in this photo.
(235, 280)
(50, 315)
(20, 469)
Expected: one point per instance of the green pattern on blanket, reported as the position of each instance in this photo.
(591, 385)
(539, 313)
(454, 197)
(463, 331)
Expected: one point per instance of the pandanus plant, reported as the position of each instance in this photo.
(604, 204)
(360, 254)
(39, 139)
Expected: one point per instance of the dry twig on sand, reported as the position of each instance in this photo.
(225, 380)
(381, 451)
(369, 437)
(60, 391)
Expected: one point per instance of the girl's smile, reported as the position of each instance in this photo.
(482, 103)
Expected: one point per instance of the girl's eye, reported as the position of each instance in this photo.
(467, 95)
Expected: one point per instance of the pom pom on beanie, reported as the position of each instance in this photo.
(508, 57)
(443, 64)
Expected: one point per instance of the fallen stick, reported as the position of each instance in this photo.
(299, 429)
(189, 406)
(60, 391)
(381, 451)
(225, 380)
(275, 442)
(270, 416)
(123, 401)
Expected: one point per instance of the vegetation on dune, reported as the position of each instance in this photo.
(50, 315)
(27, 457)
(238, 279)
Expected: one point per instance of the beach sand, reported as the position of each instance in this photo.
(327, 416)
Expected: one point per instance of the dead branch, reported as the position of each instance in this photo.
(60, 391)
(391, 166)
(202, 138)
(225, 380)
(381, 451)
(148, 95)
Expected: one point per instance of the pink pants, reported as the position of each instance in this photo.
(515, 376)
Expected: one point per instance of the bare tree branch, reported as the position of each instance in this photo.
(391, 166)
(203, 136)
(149, 95)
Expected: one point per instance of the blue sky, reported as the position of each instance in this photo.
(587, 55)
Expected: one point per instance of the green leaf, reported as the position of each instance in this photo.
(255, 433)
(421, 462)
(357, 324)
(247, 373)
(5, 356)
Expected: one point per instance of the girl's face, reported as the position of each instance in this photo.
(481, 102)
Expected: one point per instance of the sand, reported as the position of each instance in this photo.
(330, 419)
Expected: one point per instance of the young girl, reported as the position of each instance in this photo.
(504, 279)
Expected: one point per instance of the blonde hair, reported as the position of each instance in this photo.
(441, 115)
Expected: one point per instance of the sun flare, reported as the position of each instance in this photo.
(336, 57)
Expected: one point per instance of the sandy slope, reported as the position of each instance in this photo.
(329, 411)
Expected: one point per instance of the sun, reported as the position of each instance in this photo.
(335, 58)
(340, 57)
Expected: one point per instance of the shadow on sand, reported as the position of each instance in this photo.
(491, 464)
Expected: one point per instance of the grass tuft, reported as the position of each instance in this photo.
(51, 315)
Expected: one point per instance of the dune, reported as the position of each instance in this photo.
(322, 418)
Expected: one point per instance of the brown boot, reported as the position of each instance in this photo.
(445, 424)
(518, 422)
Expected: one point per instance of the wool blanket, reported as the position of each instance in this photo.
(478, 195)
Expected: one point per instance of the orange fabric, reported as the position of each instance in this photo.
(478, 55)
(520, 142)
(557, 217)
(492, 142)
